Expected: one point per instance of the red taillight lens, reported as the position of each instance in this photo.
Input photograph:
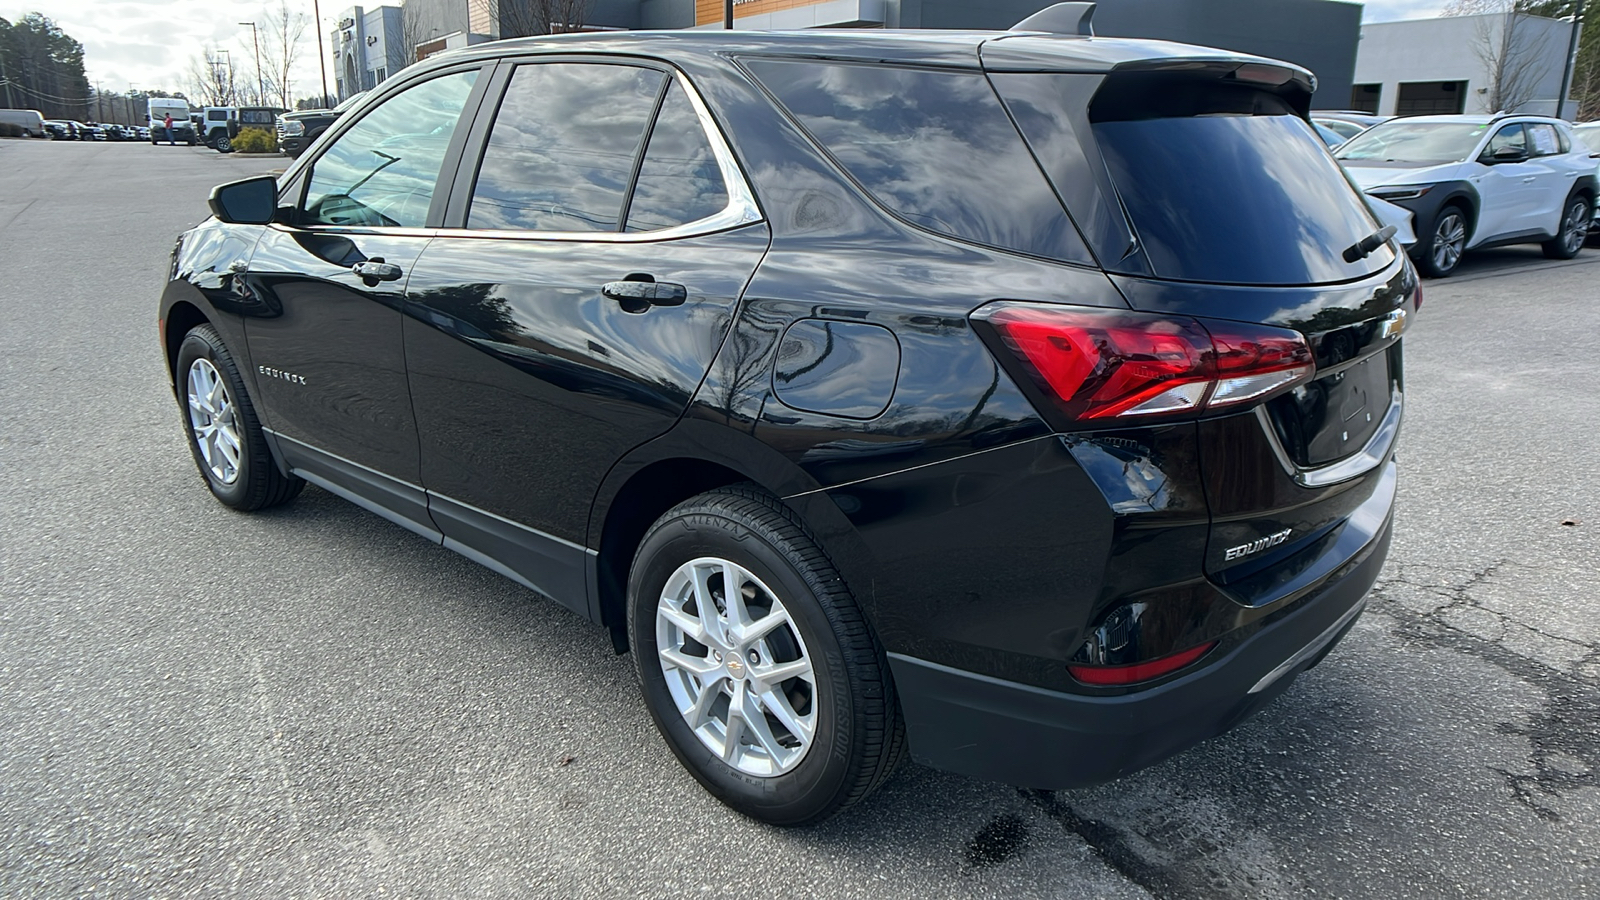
(1144, 671)
(1098, 364)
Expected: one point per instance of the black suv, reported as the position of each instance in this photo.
(296, 130)
(1024, 401)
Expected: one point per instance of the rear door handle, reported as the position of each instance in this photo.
(658, 293)
(375, 270)
(1529, 178)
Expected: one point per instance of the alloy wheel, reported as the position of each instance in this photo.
(215, 422)
(1575, 229)
(736, 666)
(1449, 236)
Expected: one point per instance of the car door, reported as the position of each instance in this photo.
(603, 239)
(1507, 189)
(1552, 176)
(330, 357)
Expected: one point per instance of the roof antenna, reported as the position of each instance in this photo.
(1062, 18)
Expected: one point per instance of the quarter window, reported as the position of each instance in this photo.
(679, 181)
(383, 171)
(563, 147)
(933, 146)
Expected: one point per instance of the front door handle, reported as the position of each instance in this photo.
(375, 270)
(1529, 178)
(636, 292)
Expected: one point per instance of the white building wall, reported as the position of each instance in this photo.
(1448, 49)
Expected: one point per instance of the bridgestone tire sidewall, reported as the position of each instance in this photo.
(198, 344)
(793, 797)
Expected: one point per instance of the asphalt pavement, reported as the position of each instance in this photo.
(313, 702)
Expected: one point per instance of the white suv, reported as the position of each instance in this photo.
(1479, 181)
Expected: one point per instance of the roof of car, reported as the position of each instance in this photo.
(921, 46)
(1471, 119)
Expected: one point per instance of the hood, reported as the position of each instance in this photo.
(1371, 174)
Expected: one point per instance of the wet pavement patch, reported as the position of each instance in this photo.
(1005, 837)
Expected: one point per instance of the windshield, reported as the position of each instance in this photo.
(1415, 142)
(1589, 135)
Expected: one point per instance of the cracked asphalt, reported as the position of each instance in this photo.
(313, 702)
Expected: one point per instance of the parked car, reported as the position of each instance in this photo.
(296, 130)
(61, 129)
(91, 131)
(223, 123)
(1589, 134)
(1479, 181)
(141, 132)
(1329, 136)
(1346, 123)
(793, 372)
(116, 133)
(29, 120)
(159, 108)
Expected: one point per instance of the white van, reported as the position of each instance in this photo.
(32, 123)
(182, 127)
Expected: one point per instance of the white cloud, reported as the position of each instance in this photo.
(150, 43)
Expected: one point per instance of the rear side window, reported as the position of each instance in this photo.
(934, 146)
(563, 147)
(1543, 139)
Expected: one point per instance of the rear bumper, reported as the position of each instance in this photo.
(1031, 737)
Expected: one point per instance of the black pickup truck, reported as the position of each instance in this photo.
(297, 130)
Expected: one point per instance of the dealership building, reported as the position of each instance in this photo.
(367, 48)
(1445, 64)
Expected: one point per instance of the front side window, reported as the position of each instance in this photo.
(563, 147)
(1509, 138)
(383, 171)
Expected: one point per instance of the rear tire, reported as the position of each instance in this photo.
(1574, 229)
(806, 746)
(224, 434)
(1440, 251)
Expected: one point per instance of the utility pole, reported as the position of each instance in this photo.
(727, 15)
(9, 103)
(99, 103)
(261, 88)
(1572, 61)
(322, 53)
(130, 103)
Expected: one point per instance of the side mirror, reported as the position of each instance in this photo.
(252, 201)
(1508, 154)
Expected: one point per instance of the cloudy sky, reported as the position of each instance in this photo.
(150, 43)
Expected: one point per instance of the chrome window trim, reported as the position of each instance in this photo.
(742, 208)
(1369, 457)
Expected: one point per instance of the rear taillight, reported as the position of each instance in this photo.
(1096, 365)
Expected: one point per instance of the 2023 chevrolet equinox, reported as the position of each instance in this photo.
(1023, 401)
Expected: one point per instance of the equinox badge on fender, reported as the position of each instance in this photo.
(1258, 545)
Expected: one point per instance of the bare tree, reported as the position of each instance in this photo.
(211, 79)
(417, 26)
(281, 31)
(1508, 43)
(522, 18)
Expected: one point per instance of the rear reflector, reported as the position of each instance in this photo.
(1144, 671)
(1100, 364)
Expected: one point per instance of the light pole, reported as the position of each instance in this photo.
(1572, 61)
(129, 104)
(322, 52)
(261, 88)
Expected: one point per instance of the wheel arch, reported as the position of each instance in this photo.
(694, 457)
(180, 319)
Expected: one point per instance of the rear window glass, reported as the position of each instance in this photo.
(1241, 199)
(933, 146)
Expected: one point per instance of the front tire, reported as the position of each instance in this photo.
(1573, 232)
(1440, 252)
(224, 434)
(774, 695)
(224, 144)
